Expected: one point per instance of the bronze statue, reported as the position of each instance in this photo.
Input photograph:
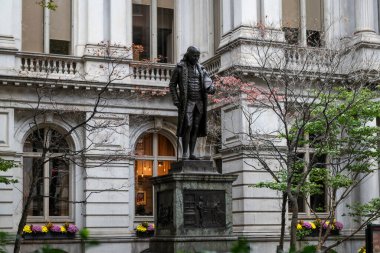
(191, 99)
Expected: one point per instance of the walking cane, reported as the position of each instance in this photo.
(177, 146)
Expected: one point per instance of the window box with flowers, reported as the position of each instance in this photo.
(145, 229)
(312, 228)
(50, 231)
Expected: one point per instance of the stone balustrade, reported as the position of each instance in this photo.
(49, 64)
(212, 65)
(307, 57)
(144, 73)
(156, 72)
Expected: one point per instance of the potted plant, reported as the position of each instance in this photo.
(312, 228)
(49, 231)
(145, 229)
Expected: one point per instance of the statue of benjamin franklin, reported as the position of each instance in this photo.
(189, 86)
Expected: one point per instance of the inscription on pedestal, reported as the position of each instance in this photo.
(165, 208)
(204, 209)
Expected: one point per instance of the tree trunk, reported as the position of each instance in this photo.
(294, 221)
(24, 215)
(280, 247)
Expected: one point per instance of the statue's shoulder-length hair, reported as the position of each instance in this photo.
(190, 50)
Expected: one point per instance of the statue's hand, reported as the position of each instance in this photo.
(211, 90)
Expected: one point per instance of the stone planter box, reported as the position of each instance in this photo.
(48, 236)
(315, 232)
(145, 234)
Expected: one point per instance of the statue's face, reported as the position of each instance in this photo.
(193, 57)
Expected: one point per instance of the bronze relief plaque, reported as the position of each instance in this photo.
(204, 209)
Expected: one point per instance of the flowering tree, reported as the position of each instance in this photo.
(324, 99)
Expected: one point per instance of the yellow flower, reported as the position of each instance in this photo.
(27, 229)
(63, 229)
(141, 228)
(299, 227)
(44, 229)
(313, 226)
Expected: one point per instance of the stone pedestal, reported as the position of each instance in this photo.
(193, 209)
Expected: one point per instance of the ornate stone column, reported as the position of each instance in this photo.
(118, 22)
(6, 20)
(129, 22)
(364, 16)
(153, 29)
(95, 21)
(271, 13)
(303, 22)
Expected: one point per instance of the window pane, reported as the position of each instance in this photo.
(60, 28)
(169, 4)
(297, 175)
(35, 141)
(165, 147)
(143, 187)
(314, 15)
(163, 167)
(34, 167)
(144, 145)
(32, 27)
(141, 30)
(57, 143)
(318, 200)
(58, 188)
(165, 35)
(144, 168)
(290, 13)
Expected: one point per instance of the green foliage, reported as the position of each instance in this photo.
(5, 166)
(369, 210)
(240, 246)
(4, 237)
(85, 237)
(49, 4)
(48, 249)
(302, 233)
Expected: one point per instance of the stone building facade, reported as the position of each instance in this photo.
(59, 51)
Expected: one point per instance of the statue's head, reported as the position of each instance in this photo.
(192, 55)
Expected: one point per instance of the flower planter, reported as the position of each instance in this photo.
(144, 234)
(315, 232)
(48, 236)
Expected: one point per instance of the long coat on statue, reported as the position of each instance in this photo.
(180, 78)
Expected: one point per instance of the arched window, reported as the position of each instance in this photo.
(154, 154)
(45, 161)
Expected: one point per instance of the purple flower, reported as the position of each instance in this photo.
(325, 225)
(150, 227)
(306, 225)
(71, 228)
(36, 229)
(338, 225)
(55, 228)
